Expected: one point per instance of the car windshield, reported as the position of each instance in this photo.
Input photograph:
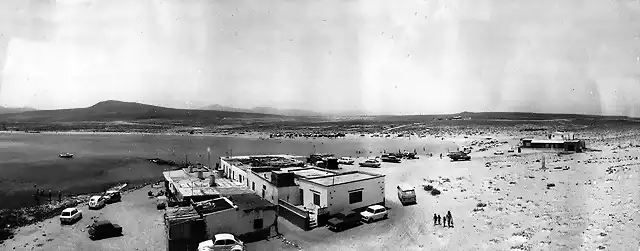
(370, 210)
(66, 213)
(410, 192)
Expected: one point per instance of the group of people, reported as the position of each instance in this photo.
(41, 192)
(447, 220)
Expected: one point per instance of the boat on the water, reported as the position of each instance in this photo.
(66, 155)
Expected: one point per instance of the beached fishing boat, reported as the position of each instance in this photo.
(66, 155)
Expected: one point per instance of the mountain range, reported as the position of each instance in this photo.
(4, 110)
(265, 110)
(109, 111)
(112, 110)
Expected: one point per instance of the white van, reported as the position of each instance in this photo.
(406, 194)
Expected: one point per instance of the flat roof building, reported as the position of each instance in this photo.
(199, 183)
(306, 195)
(247, 216)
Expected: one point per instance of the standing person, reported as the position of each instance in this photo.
(49, 194)
(435, 219)
(444, 220)
(450, 218)
(439, 218)
(59, 195)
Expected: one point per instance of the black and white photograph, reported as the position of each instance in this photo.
(315, 125)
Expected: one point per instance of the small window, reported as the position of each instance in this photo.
(355, 197)
(220, 243)
(253, 186)
(257, 224)
(316, 199)
(264, 187)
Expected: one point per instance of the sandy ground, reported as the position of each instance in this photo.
(142, 225)
(592, 205)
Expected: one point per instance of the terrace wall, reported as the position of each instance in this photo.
(294, 215)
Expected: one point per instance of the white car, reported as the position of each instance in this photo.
(499, 152)
(346, 161)
(373, 213)
(96, 202)
(70, 215)
(222, 242)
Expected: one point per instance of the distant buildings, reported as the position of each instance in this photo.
(558, 140)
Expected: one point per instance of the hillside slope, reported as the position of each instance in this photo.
(128, 111)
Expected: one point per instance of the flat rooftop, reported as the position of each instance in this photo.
(309, 172)
(213, 206)
(188, 184)
(344, 178)
(250, 202)
(547, 141)
(262, 156)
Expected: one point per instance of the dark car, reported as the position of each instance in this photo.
(390, 158)
(344, 221)
(104, 229)
(113, 196)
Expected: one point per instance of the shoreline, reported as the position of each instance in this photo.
(31, 215)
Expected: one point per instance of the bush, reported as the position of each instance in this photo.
(428, 187)
(480, 204)
(435, 192)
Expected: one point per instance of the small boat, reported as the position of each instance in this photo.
(370, 163)
(66, 155)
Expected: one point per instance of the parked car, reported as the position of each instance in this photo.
(346, 161)
(373, 213)
(113, 196)
(499, 152)
(406, 194)
(96, 202)
(104, 229)
(70, 215)
(370, 163)
(391, 158)
(345, 220)
(459, 155)
(222, 242)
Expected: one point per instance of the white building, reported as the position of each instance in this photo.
(338, 192)
(235, 168)
(307, 196)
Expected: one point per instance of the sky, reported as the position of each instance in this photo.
(372, 56)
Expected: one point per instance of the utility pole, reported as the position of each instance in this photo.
(209, 156)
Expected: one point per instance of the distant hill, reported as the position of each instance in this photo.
(4, 110)
(128, 111)
(515, 116)
(265, 110)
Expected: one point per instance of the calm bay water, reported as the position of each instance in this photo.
(34, 147)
